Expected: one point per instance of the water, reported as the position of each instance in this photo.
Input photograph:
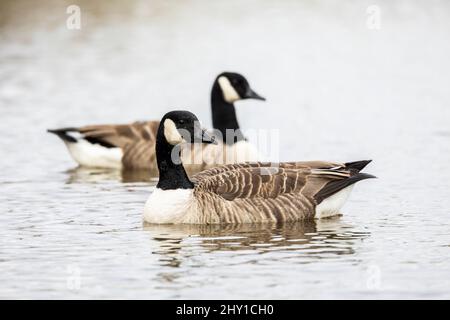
(336, 89)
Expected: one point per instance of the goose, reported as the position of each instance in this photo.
(131, 146)
(250, 192)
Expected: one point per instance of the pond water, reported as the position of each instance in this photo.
(337, 89)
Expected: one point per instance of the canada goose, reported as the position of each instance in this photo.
(246, 192)
(133, 145)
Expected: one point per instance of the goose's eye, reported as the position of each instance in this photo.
(238, 84)
(181, 121)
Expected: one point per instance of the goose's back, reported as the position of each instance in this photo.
(262, 192)
(136, 140)
(122, 134)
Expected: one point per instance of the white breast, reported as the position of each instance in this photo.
(168, 206)
(221, 153)
(94, 155)
(242, 151)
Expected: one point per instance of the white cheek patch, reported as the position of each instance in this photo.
(171, 132)
(229, 93)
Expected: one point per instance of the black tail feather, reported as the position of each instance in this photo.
(62, 133)
(335, 186)
(357, 165)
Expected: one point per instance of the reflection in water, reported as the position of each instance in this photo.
(310, 240)
(92, 175)
(84, 174)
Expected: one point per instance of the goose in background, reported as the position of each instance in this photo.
(132, 146)
(246, 192)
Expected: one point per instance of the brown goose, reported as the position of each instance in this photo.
(246, 192)
(132, 145)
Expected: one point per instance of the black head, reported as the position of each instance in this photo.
(235, 87)
(183, 126)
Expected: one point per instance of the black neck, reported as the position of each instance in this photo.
(171, 175)
(224, 116)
